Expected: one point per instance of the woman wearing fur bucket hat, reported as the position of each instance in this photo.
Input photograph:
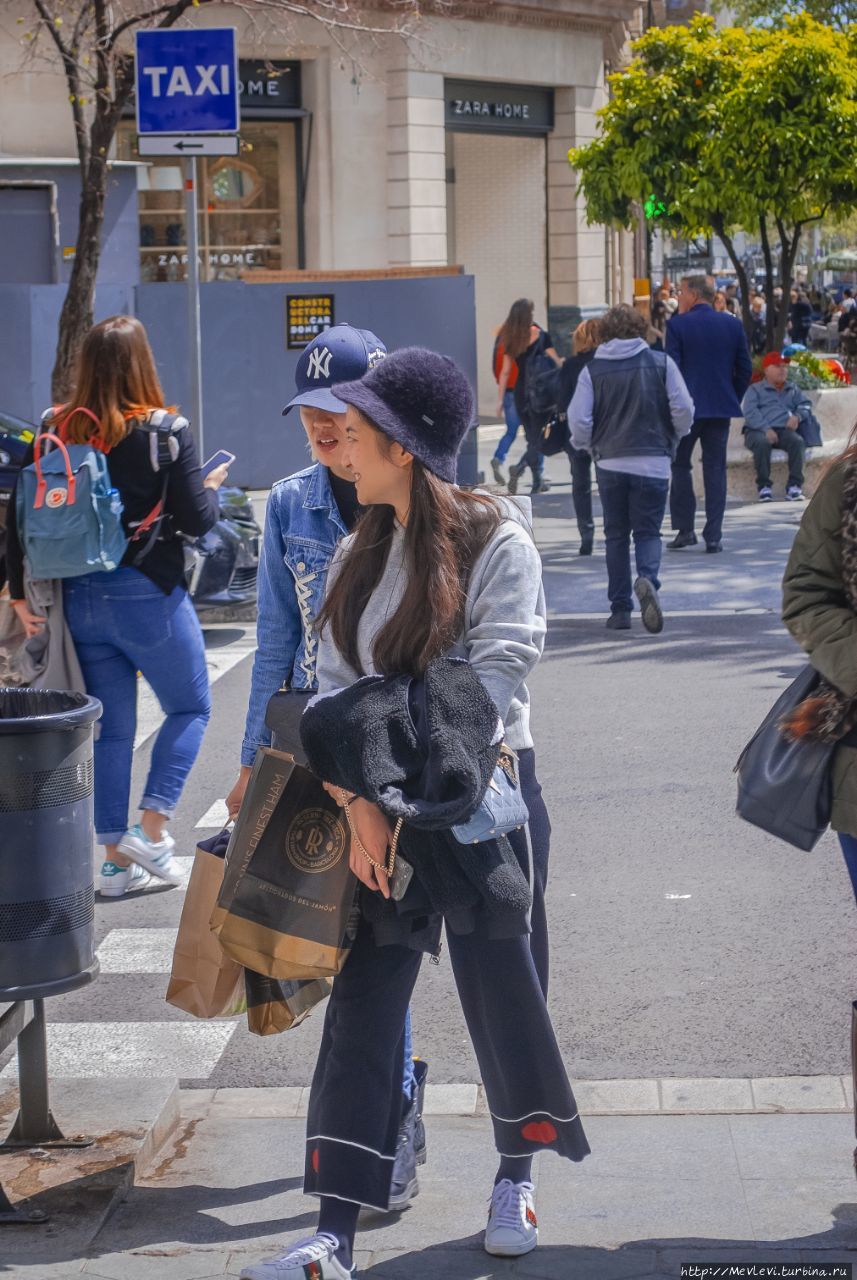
(432, 573)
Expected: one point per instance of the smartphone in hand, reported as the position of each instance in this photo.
(219, 459)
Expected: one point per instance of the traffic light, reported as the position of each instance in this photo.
(654, 208)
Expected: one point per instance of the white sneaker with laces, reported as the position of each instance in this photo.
(794, 493)
(513, 1228)
(311, 1259)
(154, 856)
(115, 881)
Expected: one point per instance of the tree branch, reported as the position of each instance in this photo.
(719, 227)
(72, 75)
(769, 281)
(168, 13)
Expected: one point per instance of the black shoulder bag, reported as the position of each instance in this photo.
(785, 787)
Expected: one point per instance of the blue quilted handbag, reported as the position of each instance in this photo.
(502, 808)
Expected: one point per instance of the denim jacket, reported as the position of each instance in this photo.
(302, 528)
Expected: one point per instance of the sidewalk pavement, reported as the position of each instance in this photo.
(660, 1189)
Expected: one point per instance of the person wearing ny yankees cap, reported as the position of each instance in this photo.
(431, 572)
(307, 514)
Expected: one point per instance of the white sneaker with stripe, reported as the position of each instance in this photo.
(311, 1259)
(115, 881)
(513, 1228)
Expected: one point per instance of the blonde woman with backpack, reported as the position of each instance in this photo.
(137, 617)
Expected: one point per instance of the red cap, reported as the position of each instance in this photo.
(773, 357)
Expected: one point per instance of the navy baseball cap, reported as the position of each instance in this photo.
(340, 354)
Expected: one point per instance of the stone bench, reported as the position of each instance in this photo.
(836, 410)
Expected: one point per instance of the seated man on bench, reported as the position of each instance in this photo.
(774, 410)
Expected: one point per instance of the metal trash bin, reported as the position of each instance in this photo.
(47, 902)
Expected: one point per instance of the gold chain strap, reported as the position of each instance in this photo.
(390, 865)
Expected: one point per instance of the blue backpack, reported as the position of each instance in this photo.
(69, 514)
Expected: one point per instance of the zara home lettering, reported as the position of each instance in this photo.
(214, 80)
(500, 110)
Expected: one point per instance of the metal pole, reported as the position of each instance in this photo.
(194, 337)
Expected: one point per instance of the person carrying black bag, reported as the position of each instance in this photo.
(820, 611)
(531, 348)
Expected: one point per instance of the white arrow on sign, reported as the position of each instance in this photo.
(189, 144)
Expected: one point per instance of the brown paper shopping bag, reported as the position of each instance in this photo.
(288, 891)
(274, 1006)
(205, 981)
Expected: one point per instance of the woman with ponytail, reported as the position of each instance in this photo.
(820, 611)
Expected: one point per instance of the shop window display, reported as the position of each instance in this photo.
(248, 217)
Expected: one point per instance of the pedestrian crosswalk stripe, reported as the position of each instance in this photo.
(216, 817)
(137, 951)
(113, 1050)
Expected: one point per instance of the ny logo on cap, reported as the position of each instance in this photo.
(319, 363)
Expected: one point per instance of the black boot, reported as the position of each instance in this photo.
(515, 473)
(411, 1146)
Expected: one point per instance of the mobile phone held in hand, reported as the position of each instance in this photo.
(219, 459)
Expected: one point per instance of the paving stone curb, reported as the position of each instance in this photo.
(667, 1096)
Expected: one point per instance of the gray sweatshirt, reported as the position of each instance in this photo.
(504, 623)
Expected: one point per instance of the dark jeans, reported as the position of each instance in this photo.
(713, 435)
(633, 506)
(581, 490)
(760, 447)
(532, 456)
(848, 844)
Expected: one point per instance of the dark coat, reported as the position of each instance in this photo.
(571, 370)
(817, 613)
(424, 751)
(710, 349)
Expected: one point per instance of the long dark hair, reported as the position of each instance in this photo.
(447, 529)
(116, 379)
(515, 333)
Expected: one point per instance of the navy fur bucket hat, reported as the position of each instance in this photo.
(422, 400)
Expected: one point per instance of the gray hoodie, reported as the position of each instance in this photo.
(504, 623)
(580, 409)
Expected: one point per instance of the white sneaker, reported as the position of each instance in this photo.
(512, 1225)
(311, 1259)
(115, 881)
(794, 493)
(154, 856)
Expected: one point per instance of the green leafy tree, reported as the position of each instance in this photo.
(91, 43)
(739, 128)
(833, 13)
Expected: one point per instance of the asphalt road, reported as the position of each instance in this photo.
(685, 943)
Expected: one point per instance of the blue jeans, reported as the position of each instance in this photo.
(633, 506)
(513, 424)
(409, 1081)
(713, 435)
(121, 623)
(848, 844)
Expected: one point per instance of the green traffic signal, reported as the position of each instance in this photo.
(654, 208)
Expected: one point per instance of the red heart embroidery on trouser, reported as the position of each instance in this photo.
(314, 1160)
(539, 1131)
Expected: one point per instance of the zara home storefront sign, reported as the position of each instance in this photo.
(475, 107)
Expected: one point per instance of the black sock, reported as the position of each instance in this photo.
(515, 1168)
(339, 1218)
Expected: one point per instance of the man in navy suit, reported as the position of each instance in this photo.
(711, 351)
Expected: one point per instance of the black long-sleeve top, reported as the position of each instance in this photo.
(571, 370)
(193, 509)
